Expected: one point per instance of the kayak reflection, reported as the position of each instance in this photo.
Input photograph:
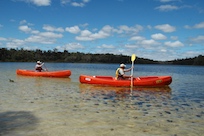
(108, 92)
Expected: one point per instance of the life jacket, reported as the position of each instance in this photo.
(38, 69)
(117, 74)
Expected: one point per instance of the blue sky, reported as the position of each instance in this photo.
(153, 29)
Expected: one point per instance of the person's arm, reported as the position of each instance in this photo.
(126, 76)
(122, 72)
(42, 64)
(126, 70)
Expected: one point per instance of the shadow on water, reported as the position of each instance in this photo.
(125, 92)
(12, 121)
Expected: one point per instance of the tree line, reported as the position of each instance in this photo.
(199, 60)
(22, 55)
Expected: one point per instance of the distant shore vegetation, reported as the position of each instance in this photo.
(22, 55)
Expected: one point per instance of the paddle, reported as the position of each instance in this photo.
(45, 67)
(132, 59)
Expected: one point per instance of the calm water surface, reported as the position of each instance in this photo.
(37, 106)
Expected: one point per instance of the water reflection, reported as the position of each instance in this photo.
(12, 121)
(38, 78)
(108, 92)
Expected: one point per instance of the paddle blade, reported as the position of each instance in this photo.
(133, 57)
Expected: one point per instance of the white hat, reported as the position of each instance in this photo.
(38, 62)
(122, 65)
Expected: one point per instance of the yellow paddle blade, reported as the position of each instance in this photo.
(133, 57)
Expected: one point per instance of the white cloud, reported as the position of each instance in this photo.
(198, 39)
(191, 54)
(65, 1)
(106, 31)
(158, 36)
(44, 38)
(75, 4)
(106, 46)
(129, 30)
(25, 28)
(101, 34)
(198, 26)
(74, 29)
(169, 0)
(35, 32)
(40, 39)
(15, 43)
(42, 2)
(82, 3)
(167, 8)
(86, 1)
(23, 22)
(87, 35)
(187, 27)
(174, 44)
(2, 39)
(52, 28)
(38, 2)
(70, 46)
(36, 37)
(149, 42)
(166, 28)
(50, 35)
(84, 25)
(131, 46)
(137, 38)
(166, 0)
(163, 50)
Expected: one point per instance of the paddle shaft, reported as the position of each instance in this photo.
(45, 67)
(132, 59)
(132, 74)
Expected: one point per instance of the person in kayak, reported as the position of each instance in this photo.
(120, 72)
(38, 66)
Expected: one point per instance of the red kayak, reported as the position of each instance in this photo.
(150, 81)
(60, 73)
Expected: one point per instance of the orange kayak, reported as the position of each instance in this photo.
(60, 73)
(150, 81)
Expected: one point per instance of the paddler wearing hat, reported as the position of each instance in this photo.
(120, 72)
(38, 66)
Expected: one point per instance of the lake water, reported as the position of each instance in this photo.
(37, 106)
